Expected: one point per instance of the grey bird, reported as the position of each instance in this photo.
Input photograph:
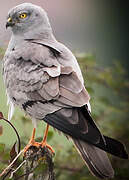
(43, 78)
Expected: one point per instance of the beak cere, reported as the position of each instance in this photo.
(9, 19)
(9, 23)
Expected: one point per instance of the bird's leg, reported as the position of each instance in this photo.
(44, 141)
(42, 144)
(31, 141)
(45, 134)
(33, 136)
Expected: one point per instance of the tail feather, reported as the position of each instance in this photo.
(96, 159)
(90, 143)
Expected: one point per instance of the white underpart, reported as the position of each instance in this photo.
(89, 106)
(11, 108)
(34, 122)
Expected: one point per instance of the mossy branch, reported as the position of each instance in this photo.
(39, 164)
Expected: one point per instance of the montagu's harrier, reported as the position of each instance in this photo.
(43, 78)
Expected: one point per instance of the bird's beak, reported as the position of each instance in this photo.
(9, 23)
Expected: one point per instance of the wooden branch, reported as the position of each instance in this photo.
(5, 171)
(38, 164)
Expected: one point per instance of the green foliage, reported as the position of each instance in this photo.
(108, 88)
(2, 146)
(1, 53)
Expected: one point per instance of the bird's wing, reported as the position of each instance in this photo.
(40, 82)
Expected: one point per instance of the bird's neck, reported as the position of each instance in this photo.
(40, 33)
(45, 35)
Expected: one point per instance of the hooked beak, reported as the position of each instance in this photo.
(9, 23)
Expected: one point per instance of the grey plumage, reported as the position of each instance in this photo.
(96, 159)
(43, 78)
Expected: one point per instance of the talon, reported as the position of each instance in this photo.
(36, 144)
(48, 146)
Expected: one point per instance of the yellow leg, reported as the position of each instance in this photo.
(31, 141)
(45, 134)
(44, 141)
(42, 144)
(33, 135)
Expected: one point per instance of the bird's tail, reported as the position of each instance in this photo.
(95, 158)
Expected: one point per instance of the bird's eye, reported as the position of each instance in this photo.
(23, 15)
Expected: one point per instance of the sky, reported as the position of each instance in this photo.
(98, 27)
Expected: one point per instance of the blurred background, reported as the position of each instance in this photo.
(98, 34)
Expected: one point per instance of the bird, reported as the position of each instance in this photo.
(43, 78)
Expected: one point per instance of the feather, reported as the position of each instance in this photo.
(79, 131)
(95, 158)
(34, 121)
(89, 106)
(11, 107)
(11, 111)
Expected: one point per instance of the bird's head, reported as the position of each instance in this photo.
(27, 17)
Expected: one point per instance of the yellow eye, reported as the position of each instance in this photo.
(23, 15)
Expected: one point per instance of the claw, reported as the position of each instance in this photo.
(48, 146)
(42, 144)
(38, 145)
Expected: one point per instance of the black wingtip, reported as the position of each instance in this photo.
(124, 154)
(116, 148)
